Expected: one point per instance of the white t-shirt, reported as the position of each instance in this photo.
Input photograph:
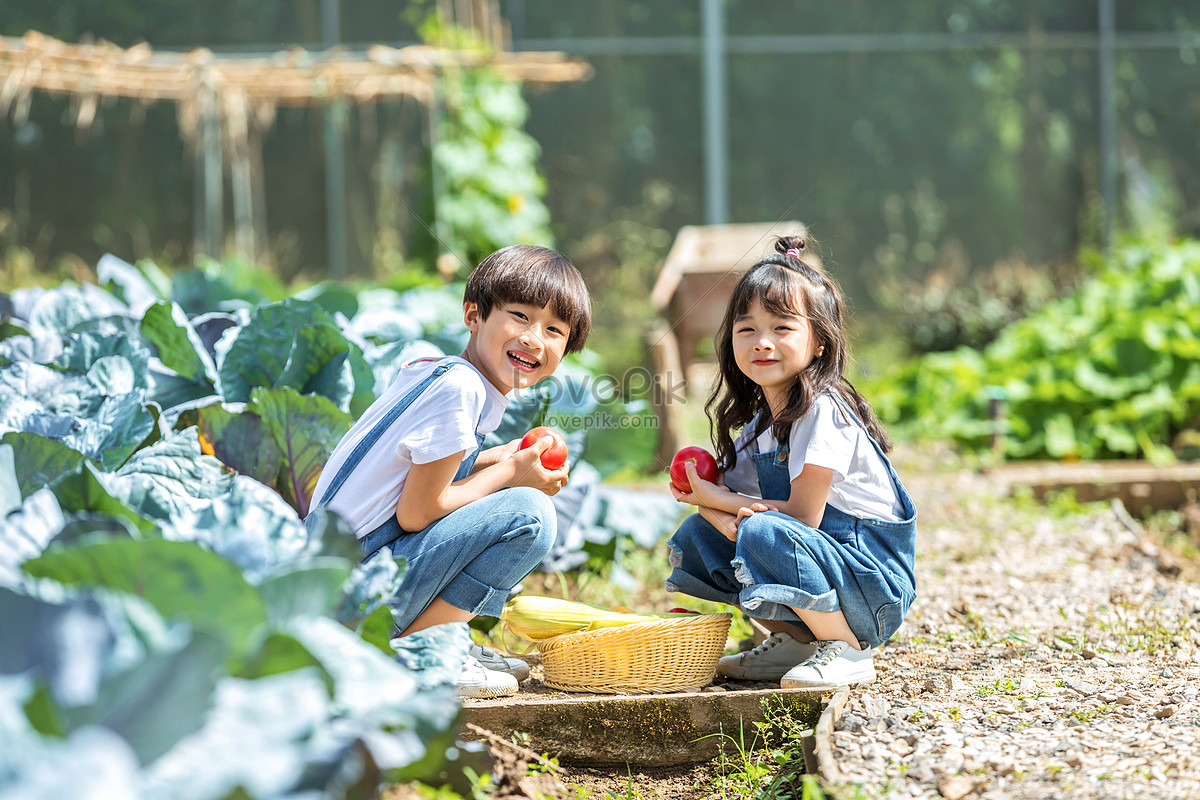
(826, 437)
(441, 421)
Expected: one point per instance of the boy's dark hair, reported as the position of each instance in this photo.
(539, 276)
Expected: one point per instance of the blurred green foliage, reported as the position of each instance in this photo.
(488, 189)
(1110, 371)
(950, 309)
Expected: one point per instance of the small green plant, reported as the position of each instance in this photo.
(1001, 686)
(1089, 713)
(772, 766)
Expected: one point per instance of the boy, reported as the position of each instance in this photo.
(409, 474)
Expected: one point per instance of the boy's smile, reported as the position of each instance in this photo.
(517, 345)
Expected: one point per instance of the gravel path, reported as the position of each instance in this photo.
(1050, 654)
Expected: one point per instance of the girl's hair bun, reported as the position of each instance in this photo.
(785, 243)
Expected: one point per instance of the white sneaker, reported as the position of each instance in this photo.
(476, 680)
(778, 653)
(834, 664)
(498, 663)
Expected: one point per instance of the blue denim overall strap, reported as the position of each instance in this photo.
(879, 553)
(385, 422)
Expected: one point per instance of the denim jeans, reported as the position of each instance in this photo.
(862, 567)
(472, 557)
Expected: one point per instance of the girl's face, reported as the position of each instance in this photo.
(772, 349)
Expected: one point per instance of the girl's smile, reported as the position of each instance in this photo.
(772, 349)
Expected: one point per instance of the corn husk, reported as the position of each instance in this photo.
(536, 618)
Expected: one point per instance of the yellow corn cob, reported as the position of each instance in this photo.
(534, 617)
(617, 620)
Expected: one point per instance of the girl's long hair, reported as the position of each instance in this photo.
(785, 283)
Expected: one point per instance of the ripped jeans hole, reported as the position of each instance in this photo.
(742, 572)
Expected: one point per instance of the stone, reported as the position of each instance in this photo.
(1083, 687)
(1166, 711)
(956, 787)
(937, 683)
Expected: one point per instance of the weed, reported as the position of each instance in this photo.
(775, 769)
(1089, 713)
(630, 792)
(1001, 686)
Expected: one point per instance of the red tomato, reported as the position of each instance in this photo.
(706, 467)
(553, 456)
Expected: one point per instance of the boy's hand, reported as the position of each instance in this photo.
(530, 471)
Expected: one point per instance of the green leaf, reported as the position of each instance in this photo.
(11, 493)
(179, 347)
(312, 588)
(251, 526)
(160, 700)
(280, 653)
(378, 628)
(126, 282)
(283, 344)
(63, 309)
(305, 428)
(241, 441)
(24, 533)
(1060, 436)
(115, 431)
(44, 715)
(274, 737)
(39, 461)
(176, 466)
(86, 490)
(182, 580)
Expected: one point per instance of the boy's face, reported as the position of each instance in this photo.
(517, 345)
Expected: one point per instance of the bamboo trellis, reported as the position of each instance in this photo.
(225, 102)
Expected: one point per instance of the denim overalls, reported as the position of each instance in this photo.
(473, 556)
(864, 567)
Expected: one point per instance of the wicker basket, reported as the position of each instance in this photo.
(666, 655)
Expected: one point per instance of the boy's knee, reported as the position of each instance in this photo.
(538, 512)
(533, 502)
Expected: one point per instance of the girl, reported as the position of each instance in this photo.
(807, 528)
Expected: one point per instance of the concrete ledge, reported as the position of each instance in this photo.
(1141, 486)
(644, 730)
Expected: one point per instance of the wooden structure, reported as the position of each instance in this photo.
(690, 295)
(225, 102)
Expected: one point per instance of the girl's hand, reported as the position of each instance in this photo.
(695, 480)
(530, 472)
(750, 510)
(701, 489)
(683, 497)
(723, 521)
